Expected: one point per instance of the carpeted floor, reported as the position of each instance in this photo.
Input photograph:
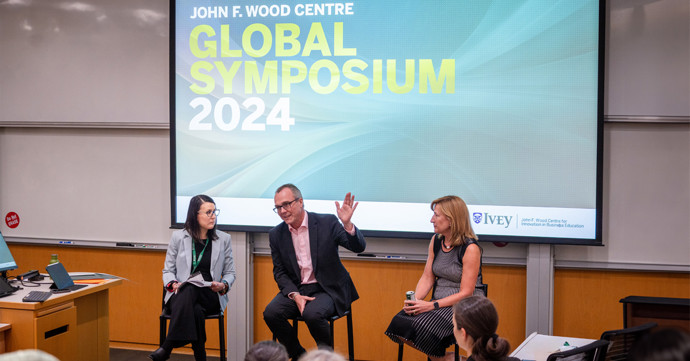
(118, 354)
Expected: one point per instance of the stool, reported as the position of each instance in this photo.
(400, 352)
(165, 316)
(350, 339)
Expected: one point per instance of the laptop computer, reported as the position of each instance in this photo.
(61, 279)
(5, 288)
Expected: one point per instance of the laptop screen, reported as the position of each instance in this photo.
(59, 275)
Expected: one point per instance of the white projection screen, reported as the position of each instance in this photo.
(398, 102)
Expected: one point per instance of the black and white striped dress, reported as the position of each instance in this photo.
(432, 332)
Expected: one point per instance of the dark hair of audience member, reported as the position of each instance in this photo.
(267, 351)
(664, 345)
(478, 316)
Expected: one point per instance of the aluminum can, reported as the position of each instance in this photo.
(409, 295)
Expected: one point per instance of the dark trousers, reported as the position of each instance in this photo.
(315, 315)
(187, 322)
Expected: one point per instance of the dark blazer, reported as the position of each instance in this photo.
(326, 233)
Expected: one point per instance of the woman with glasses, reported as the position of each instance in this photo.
(197, 251)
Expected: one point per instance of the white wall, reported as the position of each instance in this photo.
(78, 178)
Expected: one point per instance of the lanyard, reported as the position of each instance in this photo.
(196, 260)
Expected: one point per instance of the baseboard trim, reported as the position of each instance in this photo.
(187, 350)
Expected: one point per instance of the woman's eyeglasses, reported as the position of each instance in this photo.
(212, 213)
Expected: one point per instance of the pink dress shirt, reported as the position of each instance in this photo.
(300, 240)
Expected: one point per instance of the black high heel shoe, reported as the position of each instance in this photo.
(159, 355)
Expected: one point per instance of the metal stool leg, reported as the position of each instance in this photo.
(330, 323)
(163, 327)
(221, 332)
(350, 338)
(400, 353)
(350, 334)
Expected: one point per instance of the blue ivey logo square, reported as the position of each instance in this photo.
(477, 217)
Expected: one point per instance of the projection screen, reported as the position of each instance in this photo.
(398, 102)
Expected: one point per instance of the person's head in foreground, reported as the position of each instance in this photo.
(475, 321)
(321, 355)
(663, 345)
(266, 351)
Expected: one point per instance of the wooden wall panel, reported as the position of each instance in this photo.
(381, 286)
(586, 303)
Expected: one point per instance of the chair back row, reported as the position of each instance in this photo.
(613, 345)
(621, 341)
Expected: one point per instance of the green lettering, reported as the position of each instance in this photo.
(316, 40)
(225, 50)
(196, 73)
(349, 73)
(282, 39)
(247, 40)
(446, 73)
(314, 76)
(391, 72)
(253, 79)
(209, 45)
(228, 74)
(338, 49)
(288, 77)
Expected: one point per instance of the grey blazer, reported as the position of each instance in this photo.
(178, 261)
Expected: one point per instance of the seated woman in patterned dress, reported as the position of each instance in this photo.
(453, 270)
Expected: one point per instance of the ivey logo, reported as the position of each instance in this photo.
(492, 219)
(477, 217)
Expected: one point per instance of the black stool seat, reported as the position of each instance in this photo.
(165, 316)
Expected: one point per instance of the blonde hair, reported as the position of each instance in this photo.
(456, 210)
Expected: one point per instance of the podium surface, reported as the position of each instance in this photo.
(71, 326)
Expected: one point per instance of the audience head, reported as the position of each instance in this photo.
(455, 209)
(197, 220)
(321, 355)
(267, 351)
(475, 321)
(664, 345)
(28, 355)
